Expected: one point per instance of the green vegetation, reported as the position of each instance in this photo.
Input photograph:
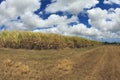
(36, 40)
(111, 43)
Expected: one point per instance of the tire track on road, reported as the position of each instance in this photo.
(107, 68)
(85, 63)
(92, 76)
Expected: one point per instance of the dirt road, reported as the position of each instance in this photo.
(100, 63)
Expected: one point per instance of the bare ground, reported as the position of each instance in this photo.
(97, 63)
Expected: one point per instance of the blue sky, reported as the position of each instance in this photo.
(92, 19)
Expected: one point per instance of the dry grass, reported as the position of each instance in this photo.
(100, 63)
(32, 40)
(64, 65)
(18, 64)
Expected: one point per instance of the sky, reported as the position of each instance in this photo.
(91, 19)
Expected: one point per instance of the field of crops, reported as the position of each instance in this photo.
(36, 40)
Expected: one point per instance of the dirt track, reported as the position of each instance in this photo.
(100, 63)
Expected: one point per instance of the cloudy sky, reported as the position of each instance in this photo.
(92, 19)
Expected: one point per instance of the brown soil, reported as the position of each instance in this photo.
(100, 63)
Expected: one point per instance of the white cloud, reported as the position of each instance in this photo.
(61, 23)
(15, 26)
(73, 6)
(82, 30)
(50, 30)
(105, 24)
(112, 1)
(23, 6)
(11, 9)
(32, 20)
(105, 21)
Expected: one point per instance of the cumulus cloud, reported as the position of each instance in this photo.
(11, 9)
(112, 2)
(72, 6)
(14, 25)
(105, 21)
(105, 24)
(61, 23)
(82, 30)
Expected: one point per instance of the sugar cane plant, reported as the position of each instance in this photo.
(36, 40)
